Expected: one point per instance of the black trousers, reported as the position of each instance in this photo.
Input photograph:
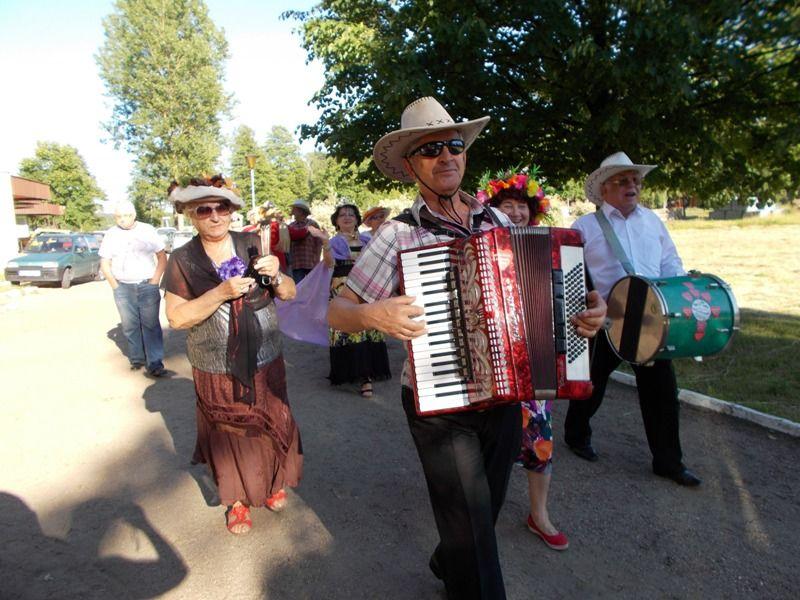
(658, 400)
(467, 459)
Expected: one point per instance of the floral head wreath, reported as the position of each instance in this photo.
(523, 184)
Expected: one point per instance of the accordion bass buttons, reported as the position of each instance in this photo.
(559, 312)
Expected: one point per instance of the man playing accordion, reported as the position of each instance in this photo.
(466, 457)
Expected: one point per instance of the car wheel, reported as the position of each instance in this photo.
(14, 282)
(66, 278)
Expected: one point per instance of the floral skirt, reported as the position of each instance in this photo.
(356, 356)
(537, 436)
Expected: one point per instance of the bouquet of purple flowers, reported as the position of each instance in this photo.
(233, 267)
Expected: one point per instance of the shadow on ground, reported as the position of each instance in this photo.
(49, 567)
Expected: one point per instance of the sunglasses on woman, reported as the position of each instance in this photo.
(434, 149)
(203, 212)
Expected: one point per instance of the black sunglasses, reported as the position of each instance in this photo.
(204, 212)
(434, 149)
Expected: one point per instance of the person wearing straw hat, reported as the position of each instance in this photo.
(615, 187)
(305, 249)
(245, 429)
(375, 217)
(466, 457)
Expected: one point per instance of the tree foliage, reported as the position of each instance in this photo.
(707, 90)
(162, 63)
(244, 143)
(280, 173)
(290, 172)
(332, 179)
(72, 186)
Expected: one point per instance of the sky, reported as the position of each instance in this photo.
(52, 91)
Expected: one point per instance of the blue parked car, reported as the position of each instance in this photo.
(56, 257)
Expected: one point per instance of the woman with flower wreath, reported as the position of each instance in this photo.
(245, 429)
(355, 357)
(519, 195)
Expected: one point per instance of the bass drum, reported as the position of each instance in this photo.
(691, 315)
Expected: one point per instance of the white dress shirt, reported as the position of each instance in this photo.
(644, 239)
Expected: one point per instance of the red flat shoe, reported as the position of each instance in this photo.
(277, 502)
(238, 515)
(557, 541)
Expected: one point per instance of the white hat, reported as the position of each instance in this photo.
(419, 118)
(191, 193)
(611, 165)
(302, 204)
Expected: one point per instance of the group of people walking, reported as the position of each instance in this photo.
(222, 287)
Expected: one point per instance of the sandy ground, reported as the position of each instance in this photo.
(98, 498)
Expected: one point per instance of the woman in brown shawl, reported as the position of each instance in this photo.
(245, 429)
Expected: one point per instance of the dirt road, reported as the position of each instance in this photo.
(98, 498)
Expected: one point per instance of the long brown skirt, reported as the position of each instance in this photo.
(253, 451)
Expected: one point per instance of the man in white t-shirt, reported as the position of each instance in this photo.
(132, 259)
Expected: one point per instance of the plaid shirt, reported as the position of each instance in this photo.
(374, 276)
(305, 252)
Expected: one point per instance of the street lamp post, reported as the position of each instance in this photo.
(251, 163)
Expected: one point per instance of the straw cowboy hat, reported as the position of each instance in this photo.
(419, 118)
(611, 165)
(191, 193)
(376, 210)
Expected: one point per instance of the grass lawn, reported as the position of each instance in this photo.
(760, 259)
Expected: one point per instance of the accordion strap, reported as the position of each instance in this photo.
(436, 228)
(613, 241)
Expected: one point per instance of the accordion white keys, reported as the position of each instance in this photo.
(497, 306)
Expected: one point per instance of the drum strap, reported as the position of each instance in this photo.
(613, 241)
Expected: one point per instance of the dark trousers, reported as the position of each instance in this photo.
(658, 400)
(467, 459)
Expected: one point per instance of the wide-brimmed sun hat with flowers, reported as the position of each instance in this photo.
(611, 165)
(196, 189)
(420, 118)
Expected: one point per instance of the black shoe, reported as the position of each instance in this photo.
(586, 452)
(159, 372)
(136, 366)
(682, 476)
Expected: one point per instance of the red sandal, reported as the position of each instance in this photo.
(277, 502)
(238, 515)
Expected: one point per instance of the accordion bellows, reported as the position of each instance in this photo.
(497, 306)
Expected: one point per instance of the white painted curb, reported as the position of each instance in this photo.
(727, 408)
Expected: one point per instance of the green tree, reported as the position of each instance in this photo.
(331, 179)
(244, 143)
(707, 90)
(72, 186)
(288, 172)
(163, 65)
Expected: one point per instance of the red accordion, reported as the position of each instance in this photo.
(497, 306)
